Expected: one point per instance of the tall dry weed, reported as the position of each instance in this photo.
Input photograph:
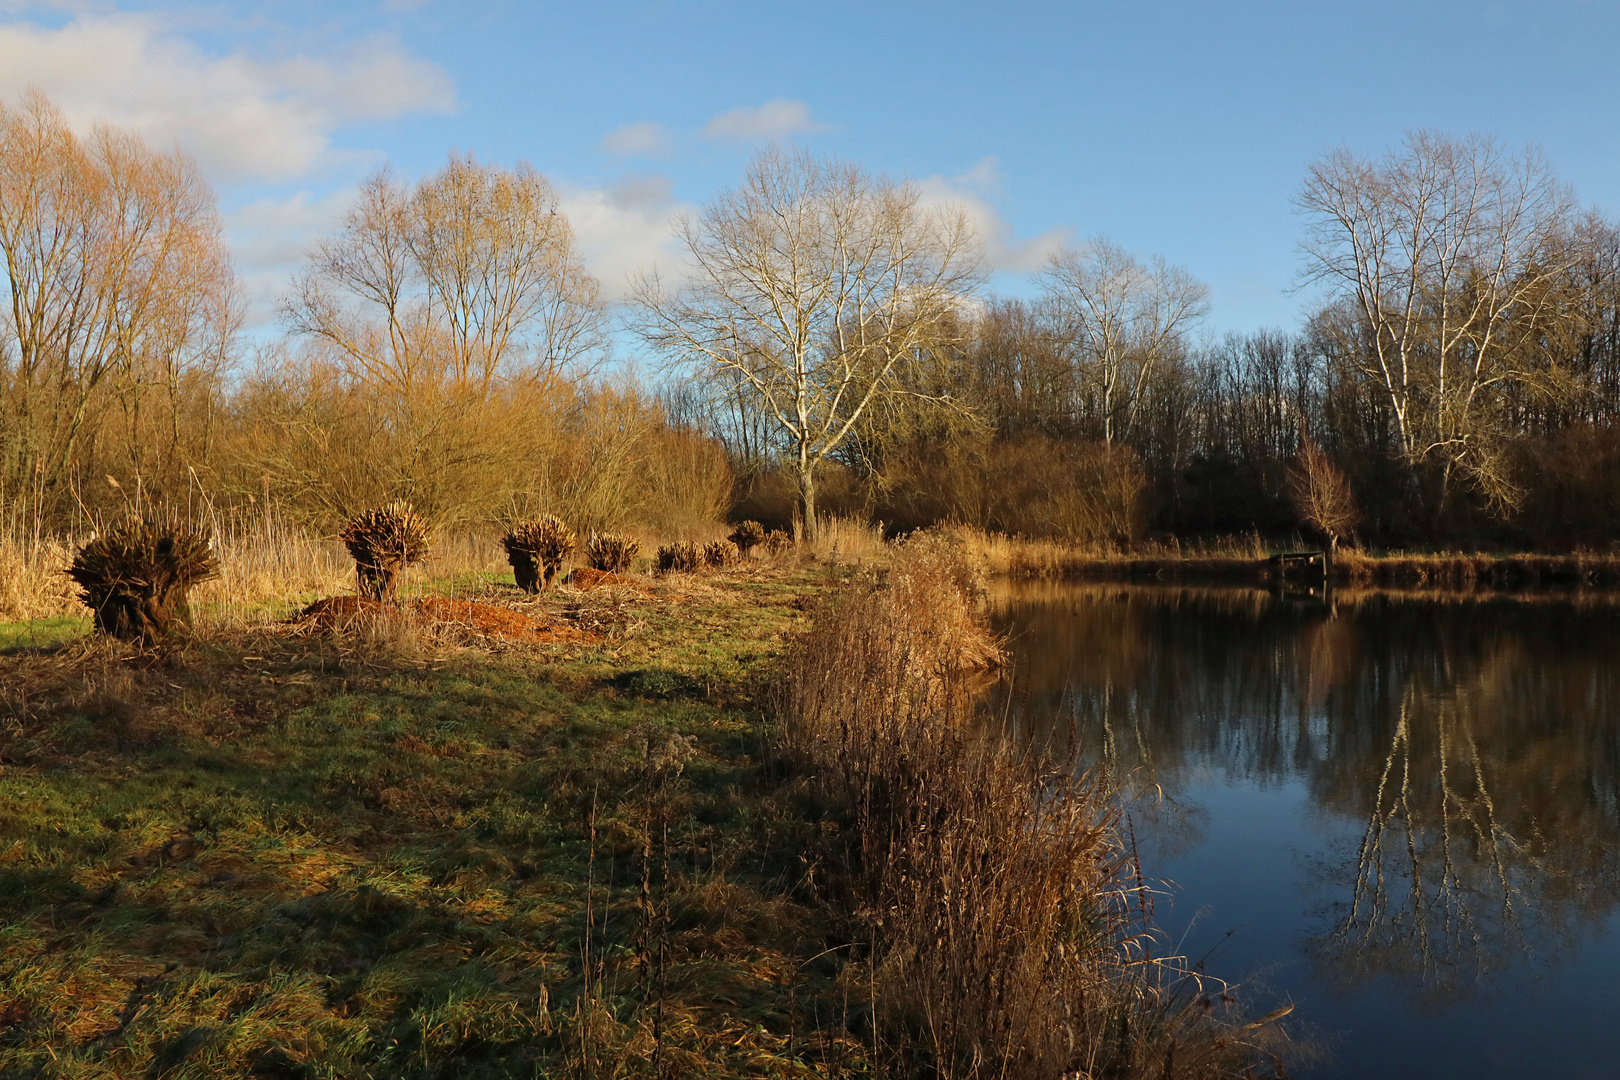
(33, 579)
(1010, 926)
(848, 541)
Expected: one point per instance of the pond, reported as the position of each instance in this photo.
(1400, 812)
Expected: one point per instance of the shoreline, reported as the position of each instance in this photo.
(1253, 565)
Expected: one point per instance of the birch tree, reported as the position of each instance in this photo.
(1123, 318)
(1441, 255)
(816, 284)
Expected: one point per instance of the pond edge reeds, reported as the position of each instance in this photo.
(1010, 927)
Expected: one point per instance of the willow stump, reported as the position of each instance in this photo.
(137, 576)
(384, 541)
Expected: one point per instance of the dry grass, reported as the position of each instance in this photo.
(1026, 557)
(847, 542)
(33, 579)
(1462, 570)
(269, 566)
(1009, 925)
(1246, 558)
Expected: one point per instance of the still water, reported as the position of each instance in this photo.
(1399, 812)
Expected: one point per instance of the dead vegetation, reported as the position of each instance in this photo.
(680, 557)
(719, 554)
(611, 553)
(747, 536)
(1009, 928)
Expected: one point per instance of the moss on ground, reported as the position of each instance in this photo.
(283, 854)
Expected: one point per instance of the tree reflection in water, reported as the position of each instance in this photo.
(1476, 738)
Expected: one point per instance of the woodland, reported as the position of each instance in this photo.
(829, 347)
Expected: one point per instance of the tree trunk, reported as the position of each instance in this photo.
(524, 571)
(143, 616)
(378, 582)
(807, 504)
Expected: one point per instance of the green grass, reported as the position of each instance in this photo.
(318, 856)
(41, 633)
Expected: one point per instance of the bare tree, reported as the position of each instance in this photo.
(1321, 494)
(117, 287)
(815, 283)
(471, 275)
(1441, 255)
(450, 310)
(1123, 317)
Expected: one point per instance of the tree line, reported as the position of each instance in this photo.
(829, 346)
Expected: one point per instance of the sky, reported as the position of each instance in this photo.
(1179, 129)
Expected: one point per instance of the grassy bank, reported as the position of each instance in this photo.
(401, 847)
(404, 851)
(1248, 560)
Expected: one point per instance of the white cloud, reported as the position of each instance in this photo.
(778, 119)
(645, 139)
(625, 229)
(970, 193)
(270, 240)
(243, 118)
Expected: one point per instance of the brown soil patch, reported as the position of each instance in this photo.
(488, 619)
(585, 578)
(496, 621)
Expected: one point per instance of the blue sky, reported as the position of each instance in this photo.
(1176, 128)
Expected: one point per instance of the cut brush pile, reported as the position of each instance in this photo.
(1009, 928)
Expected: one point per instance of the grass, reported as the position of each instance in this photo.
(44, 632)
(274, 854)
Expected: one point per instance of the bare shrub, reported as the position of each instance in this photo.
(1321, 494)
(384, 541)
(611, 553)
(1009, 924)
(684, 482)
(681, 557)
(136, 577)
(537, 550)
(748, 535)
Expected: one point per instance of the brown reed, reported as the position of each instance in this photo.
(1010, 928)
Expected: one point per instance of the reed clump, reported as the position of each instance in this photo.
(611, 553)
(384, 541)
(777, 543)
(1009, 925)
(136, 576)
(681, 557)
(537, 550)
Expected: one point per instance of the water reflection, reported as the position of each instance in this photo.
(1471, 747)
